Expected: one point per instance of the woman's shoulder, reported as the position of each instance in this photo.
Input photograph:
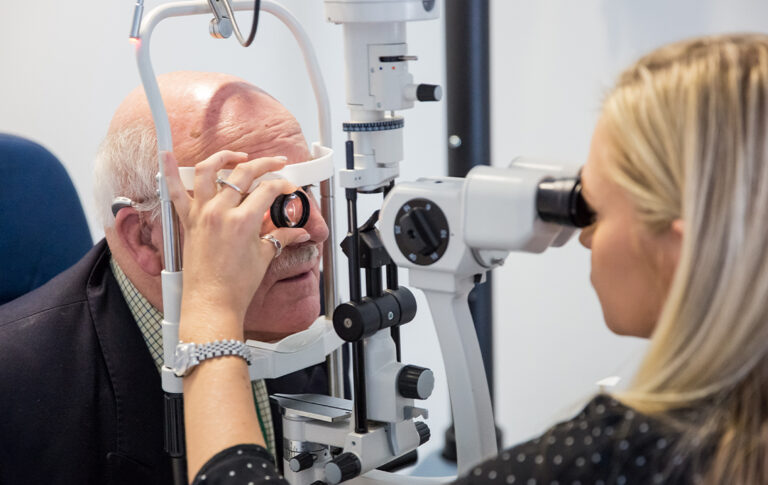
(607, 442)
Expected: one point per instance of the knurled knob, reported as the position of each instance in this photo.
(424, 433)
(342, 468)
(415, 382)
(429, 92)
(300, 462)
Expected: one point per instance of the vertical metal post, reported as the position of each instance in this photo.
(334, 361)
(360, 402)
(467, 53)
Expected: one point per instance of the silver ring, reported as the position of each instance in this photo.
(221, 181)
(276, 242)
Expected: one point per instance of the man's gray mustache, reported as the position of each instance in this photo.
(293, 256)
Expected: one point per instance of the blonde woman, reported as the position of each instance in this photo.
(678, 177)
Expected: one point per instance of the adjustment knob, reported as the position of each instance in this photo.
(423, 237)
(421, 231)
(353, 321)
(424, 433)
(415, 382)
(342, 468)
(429, 92)
(302, 461)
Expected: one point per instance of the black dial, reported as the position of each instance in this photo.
(415, 382)
(342, 468)
(300, 462)
(421, 231)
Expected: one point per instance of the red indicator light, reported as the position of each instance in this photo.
(134, 40)
(393, 68)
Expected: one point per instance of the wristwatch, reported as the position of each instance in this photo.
(189, 355)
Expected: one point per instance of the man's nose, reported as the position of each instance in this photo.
(316, 226)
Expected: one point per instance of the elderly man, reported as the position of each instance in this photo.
(80, 394)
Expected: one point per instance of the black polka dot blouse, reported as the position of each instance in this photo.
(607, 443)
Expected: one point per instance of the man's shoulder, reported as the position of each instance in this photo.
(61, 294)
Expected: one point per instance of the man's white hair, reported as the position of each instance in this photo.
(126, 166)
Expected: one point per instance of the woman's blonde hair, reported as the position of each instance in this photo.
(688, 129)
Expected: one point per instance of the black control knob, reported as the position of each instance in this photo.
(415, 382)
(421, 231)
(424, 433)
(429, 92)
(353, 321)
(302, 461)
(342, 468)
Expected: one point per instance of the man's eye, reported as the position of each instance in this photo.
(307, 188)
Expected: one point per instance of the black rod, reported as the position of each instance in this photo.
(175, 441)
(358, 378)
(467, 48)
(393, 284)
(468, 107)
(355, 293)
(373, 282)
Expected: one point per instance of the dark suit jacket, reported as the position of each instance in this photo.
(80, 397)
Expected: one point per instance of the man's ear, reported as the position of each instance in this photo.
(136, 238)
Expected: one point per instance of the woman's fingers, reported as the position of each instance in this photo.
(286, 236)
(243, 176)
(258, 201)
(205, 173)
(176, 189)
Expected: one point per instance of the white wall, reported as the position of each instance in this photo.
(552, 61)
(66, 67)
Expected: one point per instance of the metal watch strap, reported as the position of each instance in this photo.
(189, 355)
(220, 348)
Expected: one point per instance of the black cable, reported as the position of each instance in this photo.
(255, 23)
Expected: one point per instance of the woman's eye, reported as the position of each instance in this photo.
(307, 188)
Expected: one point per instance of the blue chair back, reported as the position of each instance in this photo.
(43, 230)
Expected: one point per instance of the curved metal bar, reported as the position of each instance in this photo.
(171, 243)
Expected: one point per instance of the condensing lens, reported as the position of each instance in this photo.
(290, 210)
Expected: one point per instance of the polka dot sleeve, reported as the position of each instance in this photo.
(607, 443)
(240, 465)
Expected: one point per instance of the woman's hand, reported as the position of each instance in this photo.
(224, 256)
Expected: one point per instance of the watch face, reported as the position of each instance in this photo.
(183, 358)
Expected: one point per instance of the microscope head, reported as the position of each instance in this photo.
(467, 226)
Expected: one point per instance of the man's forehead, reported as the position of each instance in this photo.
(294, 150)
(210, 112)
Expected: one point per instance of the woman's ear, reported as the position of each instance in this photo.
(677, 227)
(675, 241)
(135, 236)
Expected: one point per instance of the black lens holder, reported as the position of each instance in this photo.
(277, 210)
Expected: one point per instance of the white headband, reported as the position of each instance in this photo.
(303, 173)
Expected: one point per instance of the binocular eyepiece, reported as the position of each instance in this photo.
(561, 201)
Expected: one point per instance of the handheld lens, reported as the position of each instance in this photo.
(560, 201)
(290, 210)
